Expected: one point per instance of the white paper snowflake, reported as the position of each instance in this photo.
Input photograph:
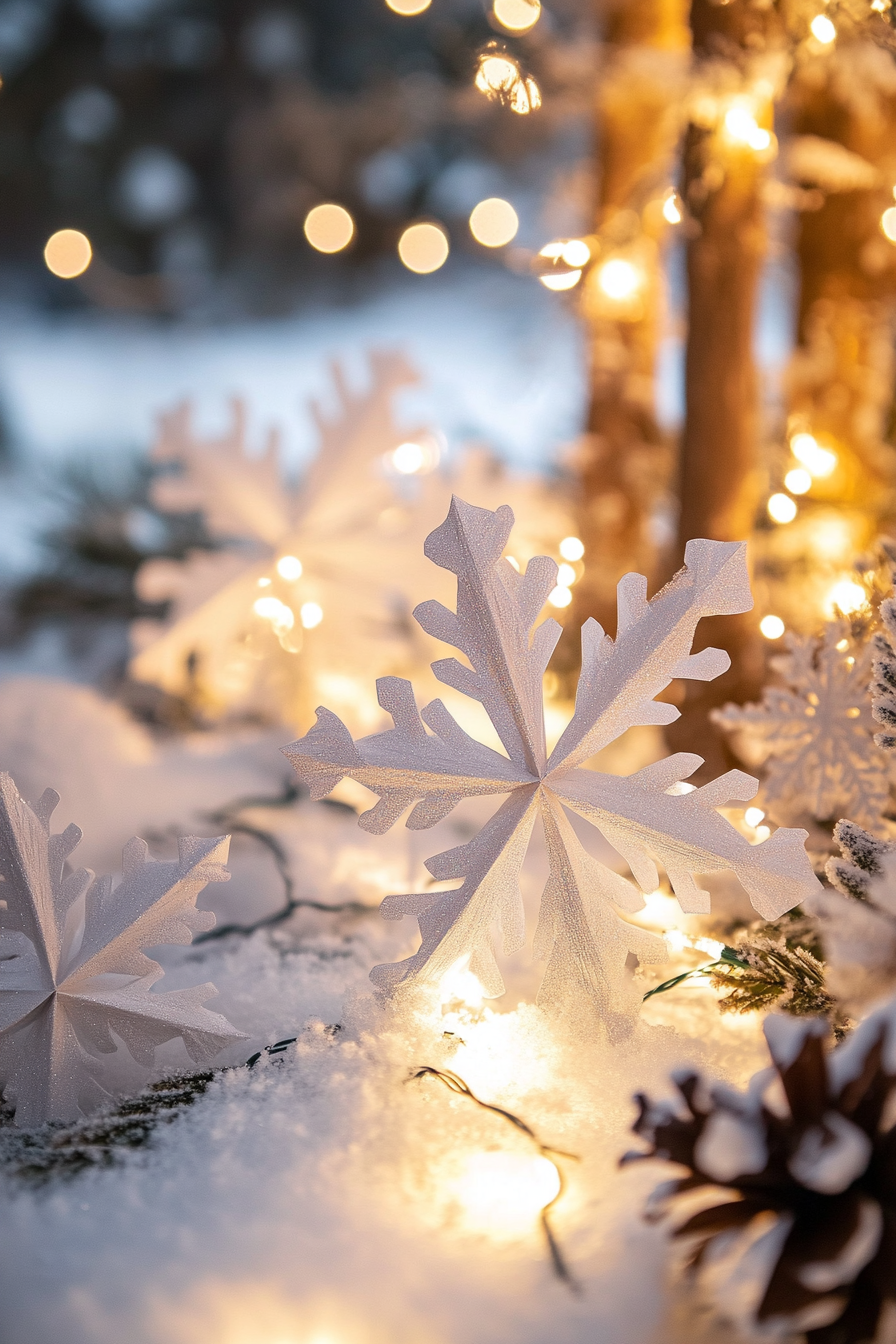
(645, 816)
(815, 734)
(72, 968)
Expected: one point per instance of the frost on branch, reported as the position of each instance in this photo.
(426, 762)
(72, 966)
(815, 733)
(857, 919)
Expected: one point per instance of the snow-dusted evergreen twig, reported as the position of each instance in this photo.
(72, 966)
(582, 933)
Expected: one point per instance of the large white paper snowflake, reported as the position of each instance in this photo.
(815, 733)
(581, 932)
(72, 966)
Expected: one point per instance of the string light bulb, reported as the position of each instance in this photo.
(494, 222)
(798, 481)
(517, 16)
(846, 596)
(500, 78)
(329, 227)
(499, 1192)
(566, 576)
(772, 627)
(408, 8)
(753, 816)
(572, 548)
(781, 509)
(289, 567)
(818, 461)
(560, 596)
(672, 213)
(572, 253)
(311, 614)
(619, 279)
(823, 30)
(423, 248)
(68, 253)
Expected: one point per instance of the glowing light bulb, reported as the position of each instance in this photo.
(842, 645)
(423, 248)
(823, 30)
(494, 222)
(818, 461)
(560, 596)
(289, 567)
(671, 208)
(781, 509)
(278, 613)
(740, 124)
(567, 280)
(798, 481)
(753, 816)
(846, 596)
(500, 1192)
(499, 77)
(619, 279)
(888, 224)
(68, 253)
(574, 253)
(571, 548)
(773, 628)
(408, 8)
(408, 458)
(329, 227)
(517, 16)
(311, 614)
(566, 576)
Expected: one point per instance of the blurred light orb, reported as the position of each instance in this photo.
(499, 77)
(408, 7)
(278, 613)
(289, 567)
(423, 248)
(823, 30)
(494, 222)
(619, 279)
(566, 576)
(311, 614)
(818, 461)
(672, 208)
(773, 628)
(847, 596)
(798, 481)
(888, 223)
(501, 1191)
(89, 114)
(329, 227)
(154, 187)
(560, 596)
(517, 16)
(571, 548)
(753, 815)
(576, 252)
(408, 458)
(742, 128)
(68, 253)
(781, 509)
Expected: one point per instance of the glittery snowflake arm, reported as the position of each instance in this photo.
(406, 764)
(621, 677)
(684, 831)
(496, 610)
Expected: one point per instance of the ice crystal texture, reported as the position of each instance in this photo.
(72, 965)
(815, 733)
(581, 933)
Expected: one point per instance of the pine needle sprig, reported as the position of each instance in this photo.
(769, 972)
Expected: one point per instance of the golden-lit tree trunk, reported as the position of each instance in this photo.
(719, 476)
(625, 459)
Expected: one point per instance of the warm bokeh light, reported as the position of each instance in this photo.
(68, 253)
(823, 30)
(846, 596)
(565, 280)
(499, 77)
(311, 614)
(408, 8)
(672, 208)
(571, 548)
(566, 576)
(572, 252)
(408, 458)
(289, 567)
(329, 227)
(781, 509)
(888, 223)
(517, 16)
(278, 613)
(423, 248)
(798, 481)
(494, 222)
(741, 128)
(560, 596)
(773, 628)
(818, 461)
(619, 279)
(502, 1193)
(753, 816)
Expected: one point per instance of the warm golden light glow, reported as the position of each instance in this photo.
(494, 222)
(619, 279)
(560, 596)
(753, 816)
(672, 208)
(572, 252)
(329, 227)
(460, 987)
(408, 8)
(846, 596)
(311, 614)
(566, 576)
(798, 481)
(503, 1192)
(773, 628)
(818, 461)
(741, 127)
(278, 613)
(289, 567)
(823, 30)
(517, 16)
(888, 223)
(571, 548)
(423, 248)
(68, 253)
(566, 280)
(408, 458)
(781, 509)
(499, 77)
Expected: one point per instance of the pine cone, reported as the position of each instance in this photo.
(823, 1165)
